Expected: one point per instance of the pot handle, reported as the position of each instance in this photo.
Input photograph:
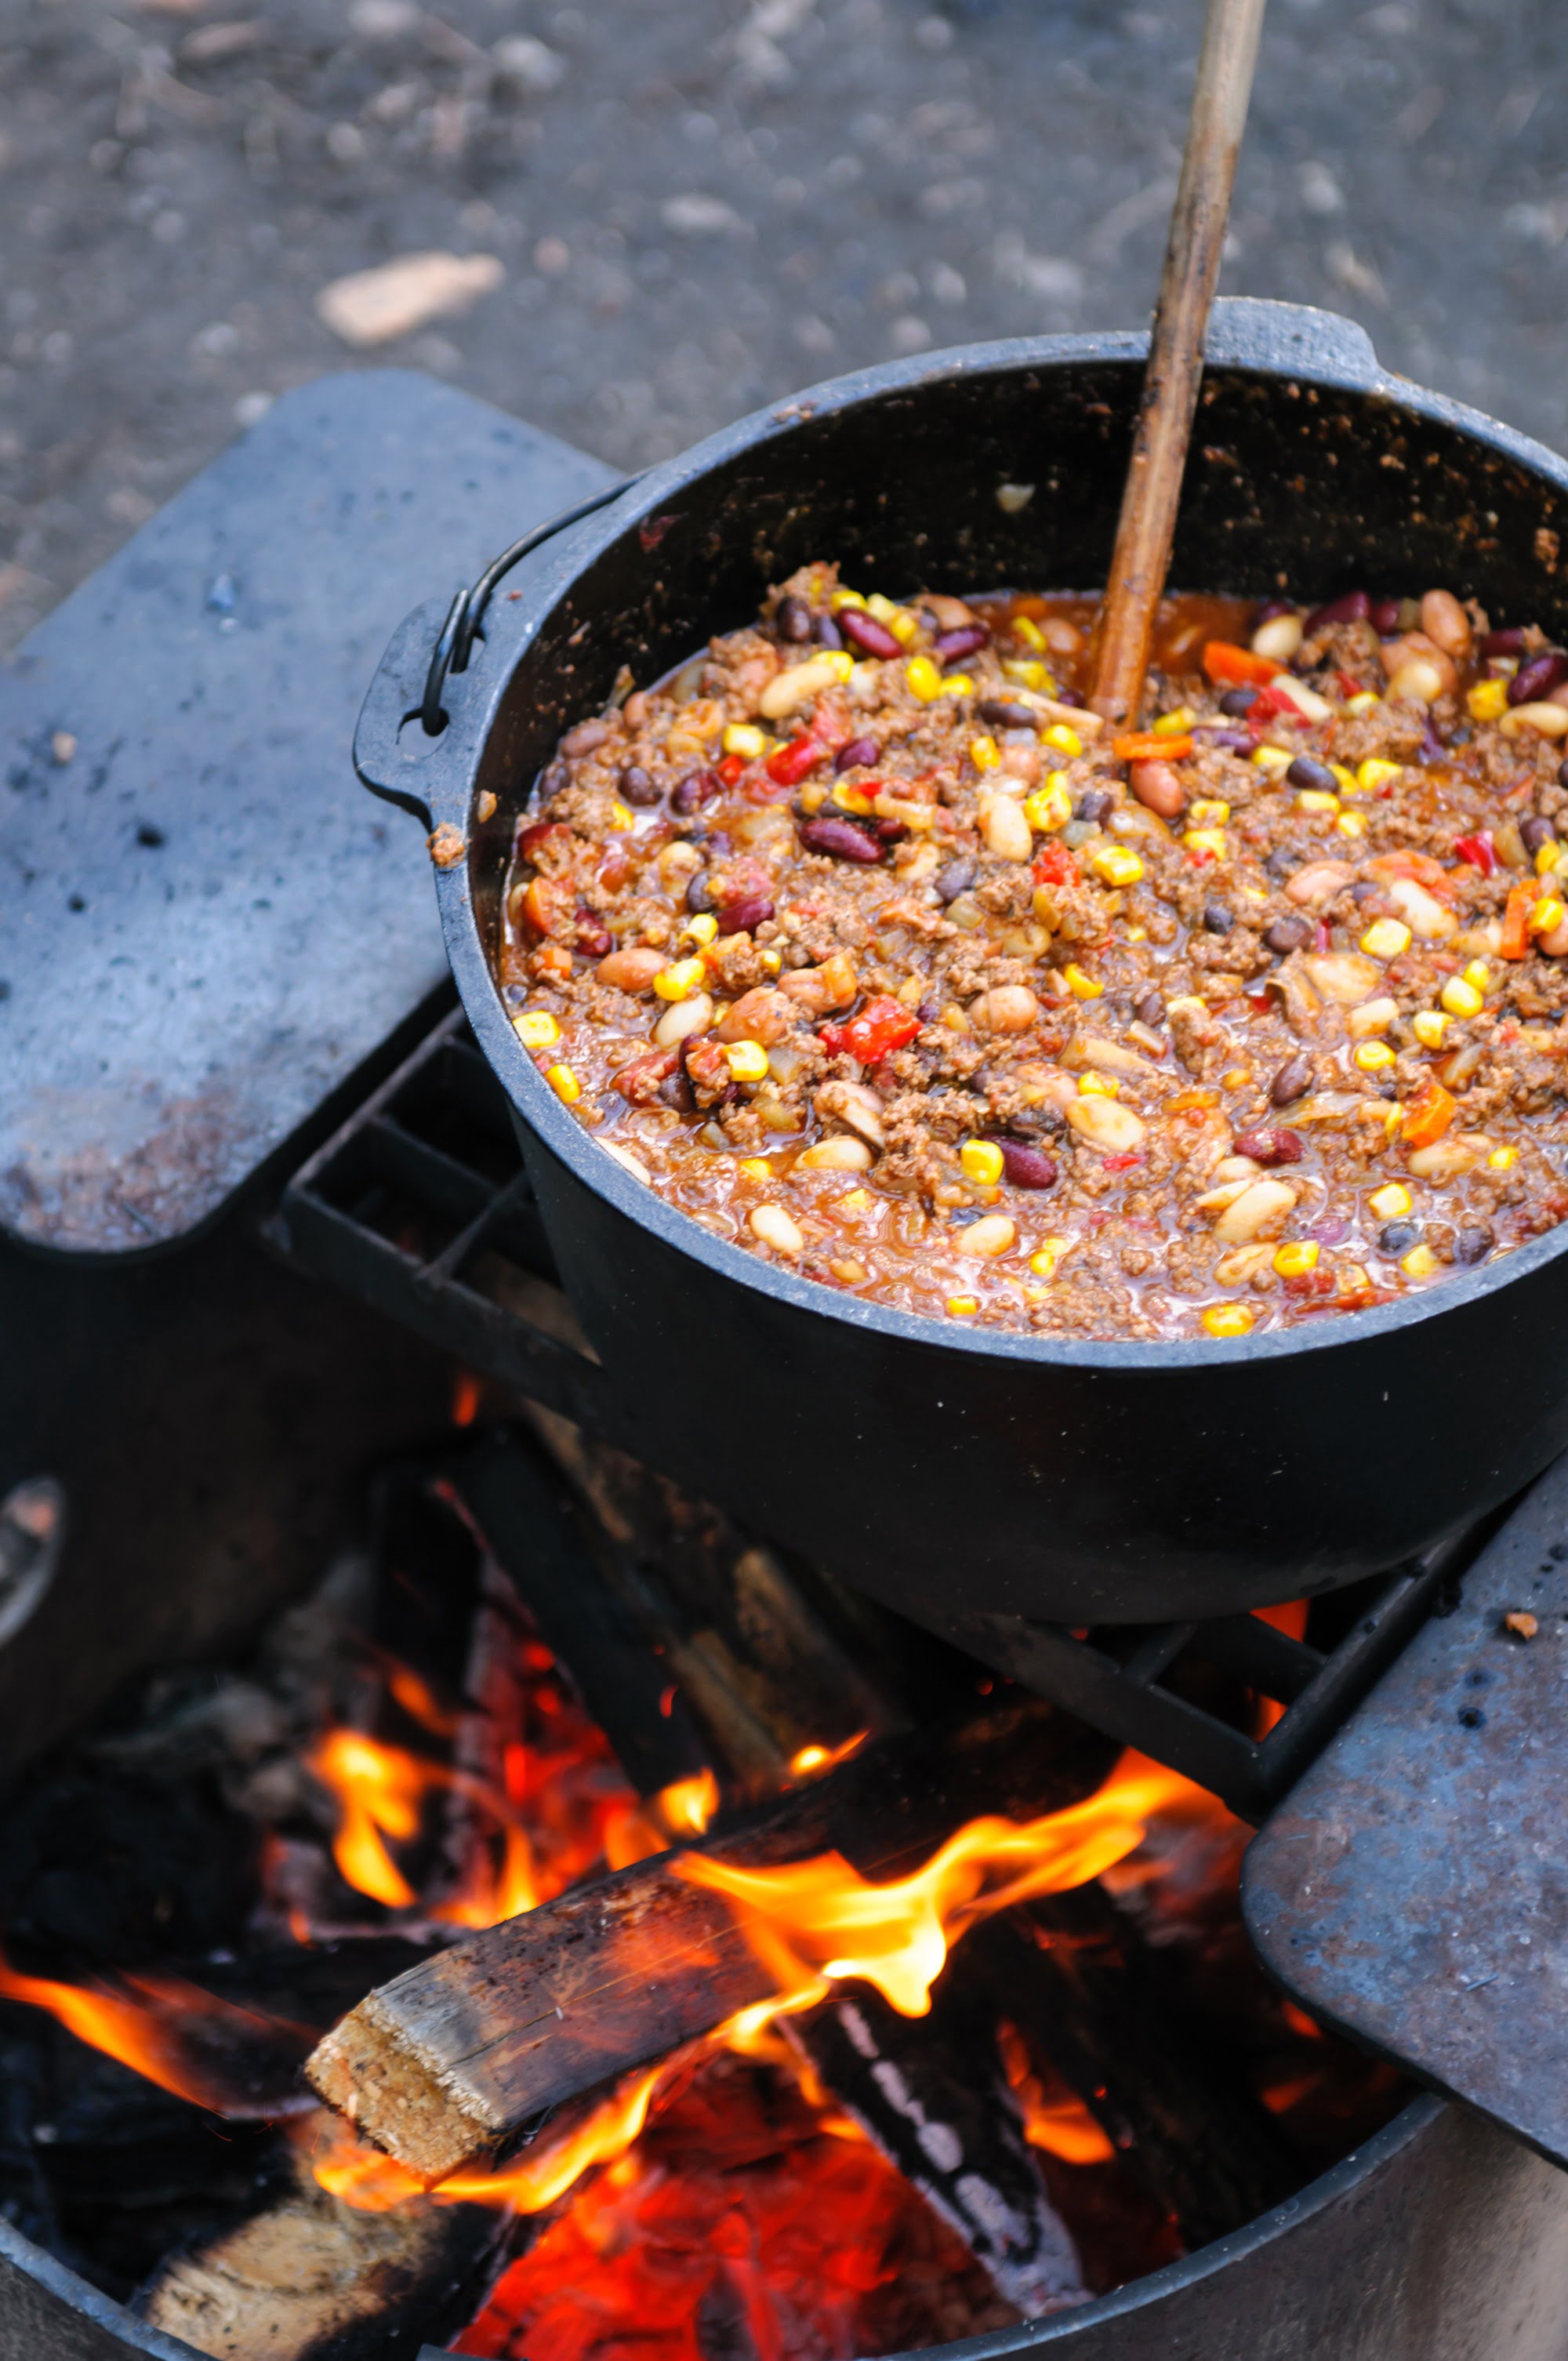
(1249, 331)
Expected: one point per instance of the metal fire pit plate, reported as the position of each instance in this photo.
(1413, 1888)
(210, 926)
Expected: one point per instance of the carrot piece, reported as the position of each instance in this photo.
(1428, 1115)
(1515, 944)
(1147, 746)
(1224, 661)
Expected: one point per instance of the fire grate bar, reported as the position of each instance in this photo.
(420, 1207)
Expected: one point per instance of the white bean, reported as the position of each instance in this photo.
(1263, 1204)
(1548, 721)
(683, 1018)
(774, 1227)
(1278, 639)
(1372, 1016)
(1006, 832)
(1342, 976)
(991, 1234)
(795, 686)
(1106, 1125)
(840, 1154)
(1445, 1160)
(1422, 912)
(1006, 1008)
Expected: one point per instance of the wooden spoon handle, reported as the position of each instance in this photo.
(1148, 524)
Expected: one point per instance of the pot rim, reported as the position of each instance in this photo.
(1281, 341)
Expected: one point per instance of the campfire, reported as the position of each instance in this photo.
(575, 1932)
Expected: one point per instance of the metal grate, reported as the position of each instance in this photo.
(419, 1207)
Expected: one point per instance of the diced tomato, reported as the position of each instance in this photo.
(1121, 1163)
(729, 770)
(640, 1080)
(1318, 1281)
(1224, 661)
(1056, 865)
(1477, 851)
(882, 1025)
(1348, 684)
(1148, 746)
(1428, 1115)
(1266, 707)
(787, 766)
(1262, 1001)
(1199, 860)
(1515, 944)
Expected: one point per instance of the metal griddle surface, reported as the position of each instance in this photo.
(1413, 1888)
(209, 924)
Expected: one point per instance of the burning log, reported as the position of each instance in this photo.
(449, 2062)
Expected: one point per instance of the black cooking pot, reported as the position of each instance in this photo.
(953, 1470)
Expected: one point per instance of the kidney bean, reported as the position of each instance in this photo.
(1306, 772)
(1237, 701)
(1384, 616)
(698, 788)
(1475, 1242)
(1071, 697)
(1292, 1081)
(841, 837)
(952, 647)
(955, 879)
(1506, 643)
(793, 619)
(1094, 806)
(1270, 1143)
(637, 787)
(1149, 1008)
(1537, 678)
(1331, 1230)
(744, 916)
(1267, 612)
(1355, 607)
(1218, 917)
(826, 633)
(892, 831)
(700, 896)
(1535, 832)
(1000, 713)
(1397, 1238)
(863, 632)
(859, 754)
(676, 1092)
(594, 938)
(1027, 1167)
(1230, 742)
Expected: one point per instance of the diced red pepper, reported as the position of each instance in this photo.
(1477, 851)
(1148, 746)
(1268, 706)
(729, 770)
(1428, 1115)
(882, 1025)
(1515, 944)
(787, 766)
(1056, 865)
(640, 1080)
(1121, 1163)
(1224, 661)
(1348, 684)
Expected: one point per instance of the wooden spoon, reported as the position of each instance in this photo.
(1148, 524)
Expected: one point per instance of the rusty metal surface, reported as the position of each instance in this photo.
(209, 926)
(1413, 1888)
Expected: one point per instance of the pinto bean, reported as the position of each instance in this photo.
(632, 970)
(1293, 1078)
(854, 1104)
(1157, 787)
(586, 739)
(760, 1014)
(1319, 882)
(819, 989)
(1006, 1008)
(637, 788)
(1445, 622)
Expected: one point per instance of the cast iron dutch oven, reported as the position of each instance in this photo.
(954, 1471)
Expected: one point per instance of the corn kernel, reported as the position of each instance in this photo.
(1386, 938)
(985, 752)
(1098, 1086)
(773, 961)
(1066, 742)
(1136, 934)
(1548, 857)
(703, 929)
(960, 1306)
(1350, 823)
(958, 683)
(1373, 1056)
(1419, 1263)
(1049, 806)
(981, 1161)
(854, 1200)
(1488, 701)
(1391, 1203)
(740, 738)
(1363, 701)
(619, 815)
(756, 1167)
(897, 620)
(1116, 865)
(1372, 774)
(1029, 673)
(1081, 986)
(747, 1060)
(852, 799)
(1460, 997)
(1208, 811)
(1478, 974)
(536, 1029)
(1025, 628)
(1429, 1025)
(1548, 913)
(1176, 724)
(1206, 839)
(813, 795)
(1293, 1261)
(1044, 1260)
(680, 978)
(1275, 760)
(1502, 1157)
(564, 1084)
(840, 599)
(1229, 1318)
(1316, 799)
(923, 679)
(840, 662)
(1346, 779)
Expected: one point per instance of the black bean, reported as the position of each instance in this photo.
(1294, 1078)
(793, 619)
(841, 838)
(1506, 643)
(1070, 697)
(1237, 701)
(1355, 607)
(1094, 805)
(1535, 832)
(1270, 1143)
(1384, 616)
(1475, 1242)
(859, 754)
(1397, 1238)
(699, 895)
(678, 1092)
(1307, 772)
(1027, 1167)
(698, 787)
(1001, 713)
(1386, 1087)
(1537, 678)
(955, 879)
(637, 787)
(952, 647)
(1287, 934)
(1269, 608)
(1365, 890)
(1282, 863)
(1219, 918)
(1229, 742)
(1150, 1007)
(826, 633)
(863, 632)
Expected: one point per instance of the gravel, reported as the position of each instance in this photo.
(699, 209)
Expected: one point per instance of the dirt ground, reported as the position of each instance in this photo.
(701, 204)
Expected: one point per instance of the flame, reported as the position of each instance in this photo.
(812, 1761)
(815, 1923)
(468, 1392)
(416, 1696)
(1290, 1619)
(1055, 2119)
(380, 1792)
(686, 1805)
